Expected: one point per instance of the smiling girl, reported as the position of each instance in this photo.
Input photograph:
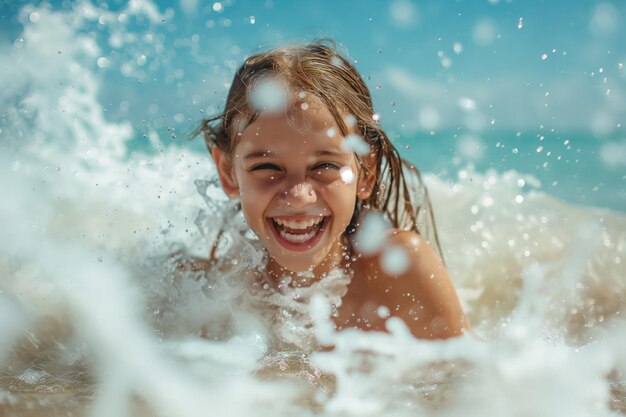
(298, 145)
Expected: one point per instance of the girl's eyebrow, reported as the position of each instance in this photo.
(269, 154)
(259, 154)
(326, 152)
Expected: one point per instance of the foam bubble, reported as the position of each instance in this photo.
(103, 62)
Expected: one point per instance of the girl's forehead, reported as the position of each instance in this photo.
(305, 127)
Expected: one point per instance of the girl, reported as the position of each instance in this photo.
(299, 146)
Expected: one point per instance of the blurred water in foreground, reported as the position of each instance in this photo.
(97, 320)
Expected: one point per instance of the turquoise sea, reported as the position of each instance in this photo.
(576, 167)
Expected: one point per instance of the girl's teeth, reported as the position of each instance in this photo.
(297, 238)
(300, 226)
(305, 224)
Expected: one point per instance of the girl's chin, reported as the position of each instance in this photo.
(297, 264)
(324, 259)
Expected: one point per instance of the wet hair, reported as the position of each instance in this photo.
(317, 70)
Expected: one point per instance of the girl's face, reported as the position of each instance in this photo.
(294, 182)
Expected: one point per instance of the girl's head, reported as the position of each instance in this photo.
(280, 147)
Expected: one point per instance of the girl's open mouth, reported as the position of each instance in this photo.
(298, 235)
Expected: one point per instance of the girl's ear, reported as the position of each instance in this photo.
(367, 181)
(226, 173)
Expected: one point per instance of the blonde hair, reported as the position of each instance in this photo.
(317, 70)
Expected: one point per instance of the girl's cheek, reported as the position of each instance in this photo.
(262, 183)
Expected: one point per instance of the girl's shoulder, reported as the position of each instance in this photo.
(403, 247)
(408, 275)
(404, 261)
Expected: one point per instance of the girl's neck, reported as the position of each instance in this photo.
(336, 259)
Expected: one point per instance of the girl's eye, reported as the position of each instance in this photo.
(325, 166)
(262, 167)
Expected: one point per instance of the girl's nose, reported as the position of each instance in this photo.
(301, 194)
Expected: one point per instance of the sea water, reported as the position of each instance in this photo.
(97, 318)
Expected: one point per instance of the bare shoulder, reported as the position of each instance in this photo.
(411, 241)
(414, 284)
(421, 256)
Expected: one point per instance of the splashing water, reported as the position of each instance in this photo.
(355, 143)
(103, 311)
(269, 95)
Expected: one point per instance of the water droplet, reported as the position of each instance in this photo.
(355, 144)
(347, 175)
(268, 94)
(395, 260)
(103, 62)
(217, 6)
(368, 237)
(252, 20)
(544, 57)
(467, 103)
(485, 32)
(19, 42)
(34, 17)
(457, 47)
(520, 23)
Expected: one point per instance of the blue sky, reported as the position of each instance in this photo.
(431, 65)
